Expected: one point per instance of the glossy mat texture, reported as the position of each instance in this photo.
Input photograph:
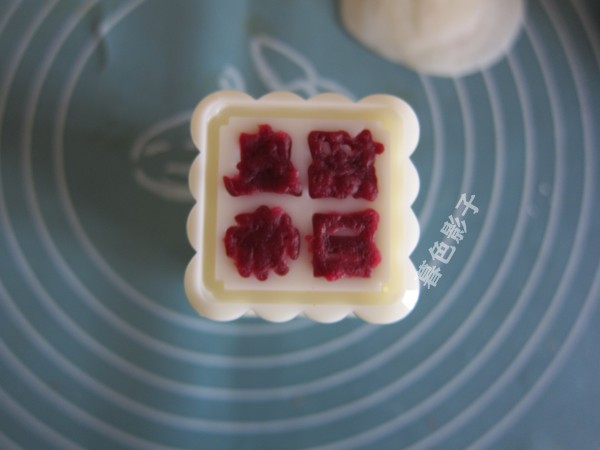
(99, 348)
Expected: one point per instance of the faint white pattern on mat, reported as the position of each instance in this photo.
(162, 154)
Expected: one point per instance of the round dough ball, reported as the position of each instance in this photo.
(438, 37)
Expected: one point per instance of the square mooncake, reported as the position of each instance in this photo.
(303, 206)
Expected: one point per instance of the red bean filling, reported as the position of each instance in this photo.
(343, 244)
(342, 165)
(265, 165)
(262, 241)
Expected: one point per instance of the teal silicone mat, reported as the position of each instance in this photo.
(99, 347)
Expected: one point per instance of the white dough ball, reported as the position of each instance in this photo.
(438, 37)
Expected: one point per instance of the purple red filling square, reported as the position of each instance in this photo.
(343, 166)
(262, 241)
(265, 165)
(343, 245)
